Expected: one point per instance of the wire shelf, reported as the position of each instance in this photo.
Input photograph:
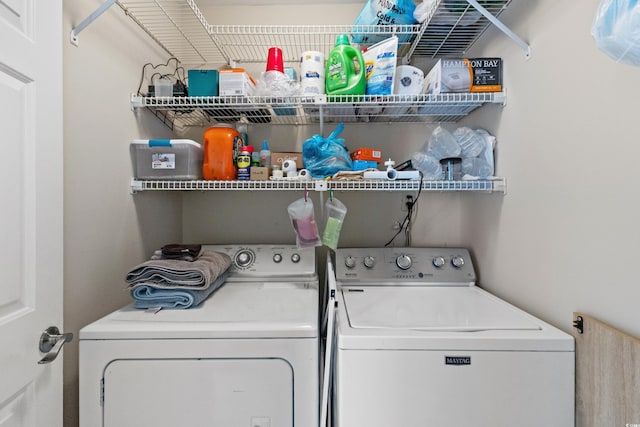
(497, 185)
(454, 27)
(188, 111)
(450, 28)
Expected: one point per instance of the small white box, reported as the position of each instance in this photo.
(179, 159)
(236, 82)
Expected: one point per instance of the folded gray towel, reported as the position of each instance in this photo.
(170, 273)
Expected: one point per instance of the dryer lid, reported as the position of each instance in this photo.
(236, 310)
(457, 309)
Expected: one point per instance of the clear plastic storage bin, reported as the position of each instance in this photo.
(166, 159)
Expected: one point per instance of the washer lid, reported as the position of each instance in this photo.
(458, 309)
(236, 310)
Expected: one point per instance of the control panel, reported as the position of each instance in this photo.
(268, 262)
(405, 266)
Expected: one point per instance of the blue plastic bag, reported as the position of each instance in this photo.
(323, 157)
(616, 30)
(383, 12)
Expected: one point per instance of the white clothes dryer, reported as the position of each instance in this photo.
(246, 357)
(419, 344)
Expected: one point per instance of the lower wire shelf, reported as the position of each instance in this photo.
(493, 185)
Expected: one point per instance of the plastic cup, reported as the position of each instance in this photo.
(274, 60)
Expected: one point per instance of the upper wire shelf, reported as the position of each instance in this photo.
(450, 28)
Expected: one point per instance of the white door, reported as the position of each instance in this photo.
(30, 209)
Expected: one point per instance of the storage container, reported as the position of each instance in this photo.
(166, 159)
(163, 87)
(203, 82)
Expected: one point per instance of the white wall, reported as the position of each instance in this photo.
(564, 238)
(107, 230)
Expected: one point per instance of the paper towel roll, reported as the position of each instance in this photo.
(312, 72)
(408, 81)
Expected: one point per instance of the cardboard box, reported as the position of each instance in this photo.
(464, 75)
(236, 82)
(259, 173)
(368, 154)
(278, 158)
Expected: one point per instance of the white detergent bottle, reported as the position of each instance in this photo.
(265, 154)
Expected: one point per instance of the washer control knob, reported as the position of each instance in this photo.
(277, 258)
(244, 258)
(439, 262)
(369, 261)
(350, 262)
(457, 261)
(404, 262)
(295, 258)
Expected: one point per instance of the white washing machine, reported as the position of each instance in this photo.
(246, 357)
(419, 344)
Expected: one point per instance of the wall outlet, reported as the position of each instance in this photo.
(406, 200)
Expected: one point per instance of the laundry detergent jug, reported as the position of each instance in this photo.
(345, 73)
(222, 145)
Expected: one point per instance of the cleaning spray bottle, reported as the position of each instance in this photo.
(345, 72)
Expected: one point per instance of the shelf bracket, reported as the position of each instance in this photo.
(135, 186)
(89, 19)
(495, 21)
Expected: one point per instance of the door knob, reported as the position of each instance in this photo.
(51, 342)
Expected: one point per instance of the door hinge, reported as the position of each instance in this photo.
(579, 324)
(102, 392)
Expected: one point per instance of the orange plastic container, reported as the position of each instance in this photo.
(222, 145)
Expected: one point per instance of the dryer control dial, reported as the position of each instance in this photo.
(277, 258)
(404, 262)
(244, 258)
(457, 261)
(295, 258)
(438, 262)
(369, 261)
(350, 262)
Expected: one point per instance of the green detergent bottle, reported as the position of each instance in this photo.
(345, 73)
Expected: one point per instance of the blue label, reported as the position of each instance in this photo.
(159, 143)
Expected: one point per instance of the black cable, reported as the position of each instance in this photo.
(175, 72)
(407, 219)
